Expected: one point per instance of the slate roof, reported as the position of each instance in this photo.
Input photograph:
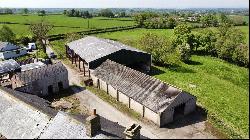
(91, 48)
(32, 66)
(22, 120)
(149, 91)
(8, 65)
(30, 75)
(6, 46)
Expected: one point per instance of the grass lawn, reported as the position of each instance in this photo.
(64, 24)
(221, 88)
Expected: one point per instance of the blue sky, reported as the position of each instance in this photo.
(125, 3)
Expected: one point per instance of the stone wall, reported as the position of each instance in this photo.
(40, 86)
(160, 118)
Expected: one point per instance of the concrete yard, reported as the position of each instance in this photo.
(190, 127)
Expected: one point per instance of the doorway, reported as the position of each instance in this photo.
(60, 86)
(179, 111)
(50, 89)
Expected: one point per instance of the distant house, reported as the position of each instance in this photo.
(41, 80)
(9, 50)
(153, 99)
(93, 51)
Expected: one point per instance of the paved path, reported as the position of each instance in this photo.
(187, 128)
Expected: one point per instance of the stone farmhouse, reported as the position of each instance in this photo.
(40, 79)
(90, 52)
(9, 50)
(153, 99)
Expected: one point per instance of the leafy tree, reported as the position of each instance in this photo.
(162, 51)
(228, 40)
(206, 41)
(106, 13)
(86, 14)
(209, 20)
(25, 11)
(41, 13)
(185, 52)
(6, 34)
(40, 31)
(72, 36)
(241, 55)
(65, 12)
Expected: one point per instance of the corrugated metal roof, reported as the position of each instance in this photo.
(8, 65)
(149, 91)
(6, 46)
(91, 48)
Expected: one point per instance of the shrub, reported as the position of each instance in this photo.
(241, 55)
(7, 35)
(185, 53)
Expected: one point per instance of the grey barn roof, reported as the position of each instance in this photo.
(6, 46)
(31, 75)
(149, 91)
(21, 120)
(32, 66)
(91, 48)
(8, 65)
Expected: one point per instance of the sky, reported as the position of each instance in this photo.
(124, 3)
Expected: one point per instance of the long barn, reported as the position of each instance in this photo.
(91, 52)
(153, 99)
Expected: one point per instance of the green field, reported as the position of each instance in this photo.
(67, 24)
(221, 88)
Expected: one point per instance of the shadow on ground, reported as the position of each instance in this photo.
(191, 62)
(108, 128)
(155, 71)
(64, 93)
(197, 116)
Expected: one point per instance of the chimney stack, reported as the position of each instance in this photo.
(133, 131)
(93, 125)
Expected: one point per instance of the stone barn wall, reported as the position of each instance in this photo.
(37, 81)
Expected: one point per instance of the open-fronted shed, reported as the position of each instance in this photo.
(93, 51)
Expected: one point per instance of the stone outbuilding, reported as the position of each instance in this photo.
(41, 80)
(153, 99)
(90, 52)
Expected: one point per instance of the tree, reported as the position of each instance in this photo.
(228, 40)
(65, 12)
(7, 35)
(72, 36)
(162, 51)
(40, 31)
(241, 55)
(41, 13)
(185, 52)
(209, 20)
(206, 41)
(25, 11)
(106, 13)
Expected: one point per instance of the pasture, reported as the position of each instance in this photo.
(220, 87)
(63, 24)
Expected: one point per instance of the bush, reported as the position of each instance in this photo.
(241, 55)
(160, 48)
(185, 53)
(6, 34)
